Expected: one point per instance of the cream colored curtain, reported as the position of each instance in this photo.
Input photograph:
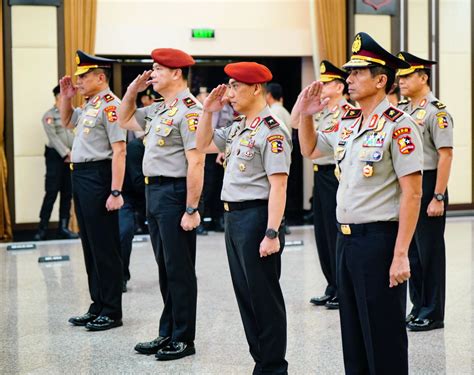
(5, 221)
(331, 30)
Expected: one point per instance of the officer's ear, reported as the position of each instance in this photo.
(259, 90)
(381, 81)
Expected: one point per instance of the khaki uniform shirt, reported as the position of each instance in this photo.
(328, 121)
(169, 132)
(252, 153)
(436, 124)
(371, 158)
(59, 137)
(96, 128)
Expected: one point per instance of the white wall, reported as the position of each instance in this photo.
(243, 27)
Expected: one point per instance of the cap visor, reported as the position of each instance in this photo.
(81, 70)
(405, 72)
(358, 64)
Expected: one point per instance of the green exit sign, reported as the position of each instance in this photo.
(203, 33)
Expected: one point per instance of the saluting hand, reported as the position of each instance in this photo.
(269, 246)
(67, 89)
(309, 100)
(141, 83)
(399, 270)
(216, 99)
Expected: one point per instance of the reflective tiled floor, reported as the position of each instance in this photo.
(37, 299)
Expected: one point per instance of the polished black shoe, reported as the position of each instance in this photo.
(410, 318)
(64, 232)
(419, 325)
(82, 320)
(287, 229)
(152, 347)
(175, 350)
(332, 304)
(201, 230)
(320, 301)
(40, 235)
(124, 286)
(102, 323)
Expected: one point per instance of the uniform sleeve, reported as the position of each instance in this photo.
(276, 152)
(188, 126)
(220, 137)
(406, 147)
(141, 114)
(109, 117)
(53, 138)
(324, 144)
(76, 113)
(441, 128)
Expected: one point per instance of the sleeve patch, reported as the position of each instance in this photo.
(108, 98)
(442, 122)
(271, 122)
(188, 102)
(438, 104)
(393, 114)
(189, 115)
(192, 124)
(400, 131)
(405, 145)
(352, 113)
(111, 112)
(276, 143)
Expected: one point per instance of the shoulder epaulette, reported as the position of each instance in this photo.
(352, 113)
(438, 104)
(159, 100)
(393, 114)
(404, 101)
(188, 102)
(238, 118)
(271, 122)
(108, 98)
(346, 107)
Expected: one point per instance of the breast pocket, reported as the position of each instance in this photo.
(245, 159)
(166, 134)
(89, 121)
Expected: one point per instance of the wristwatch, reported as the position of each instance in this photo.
(439, 197)
(190, 210)
(116, 193)
(271, 233)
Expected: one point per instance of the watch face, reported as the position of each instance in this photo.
(190, 210)
(439, 197)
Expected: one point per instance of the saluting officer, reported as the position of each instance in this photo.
(174, 172)
(257, 162)
(325, 181)
(379, 157)
(428, 254)
(58, 175)
(98, 166)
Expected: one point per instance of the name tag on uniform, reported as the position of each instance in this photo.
(247, 142)
(374, 139)
(92, 112)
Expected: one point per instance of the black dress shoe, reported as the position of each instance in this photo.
(151, 347)
(419, 325)
(320, 301)
(175, 350)
(82, 320)
(410, 318)
(102, 323)
(332, 304)
(124, 286)
(201, 230)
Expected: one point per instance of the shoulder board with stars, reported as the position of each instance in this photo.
(108, 98)
(352, 113)
(438, 104)
(393, 114)
(404, 101)
(346, 107)
(188, 102)
(159, 100)
(271, 122)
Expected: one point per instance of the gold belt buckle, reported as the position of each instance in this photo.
(71, 166)
(315, 167)
(226, 206)
(345, 229)
(146, 180)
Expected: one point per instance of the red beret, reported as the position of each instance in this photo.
(248, 72)
(172, 58)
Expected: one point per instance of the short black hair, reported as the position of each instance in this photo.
(275, 90)
(390, 73)
(185, 72)
(427, 72)
(56, 90)
(346, 86)
(107, 72)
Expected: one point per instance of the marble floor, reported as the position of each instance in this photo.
(36, 300)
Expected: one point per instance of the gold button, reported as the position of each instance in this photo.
(242, 167)
(161, 142)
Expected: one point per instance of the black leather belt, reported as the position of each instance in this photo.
(235, 206)
(329, 167)
(160, 180)
(90, 164)
(379, 226)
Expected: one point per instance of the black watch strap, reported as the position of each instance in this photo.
(271, 233)
(439, 197)
(116, 193)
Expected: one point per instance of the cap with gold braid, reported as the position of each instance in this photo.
(416, 63)
(366, 52)
(329, 72)
(86, 62)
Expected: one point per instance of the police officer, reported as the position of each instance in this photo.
(58, 175)
(378, 154)
(325, 181)
(173, 171)
(98, 165)
(257, 162)
(428, 256)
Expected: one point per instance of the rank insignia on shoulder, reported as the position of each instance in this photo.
(352, 113)
(393, 114)
(108, 98)
(188, 102)
(438, 104)
(403, 102)
(346, 107)
(271, 122)
(111, 112)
